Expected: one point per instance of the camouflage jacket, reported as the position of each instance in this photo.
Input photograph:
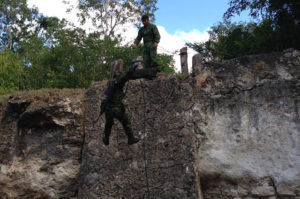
(114, 92)
(149, 33)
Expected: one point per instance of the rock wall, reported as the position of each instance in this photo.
(231, 130)
(160, 165)
(41, 138)
(246, 117)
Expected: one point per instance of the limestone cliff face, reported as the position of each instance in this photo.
(246, 117)
(41, 138)
(161, 165)
(231, 130)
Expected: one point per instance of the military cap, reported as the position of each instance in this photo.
(144, 17)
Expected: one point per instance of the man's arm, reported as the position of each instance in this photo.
(156, 34)
(138, 39)
(127, 75)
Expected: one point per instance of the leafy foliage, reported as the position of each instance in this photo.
(283, 17)
(277, 28)
(45, 52)
(108, 16)
(11, 71)
(229, 40)
(16, 20)
(165, 63)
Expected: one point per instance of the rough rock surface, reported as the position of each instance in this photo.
(40, 146)
(229, 131)
(246, 117)
(161, 165)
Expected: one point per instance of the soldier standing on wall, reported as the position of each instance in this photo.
(151, 38)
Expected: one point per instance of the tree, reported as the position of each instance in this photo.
(283, 15)
(271, 9)
(16, 19)
(229, 40)
(277, 27)
(11, 71)
(46, 52)
(165, 63)
(108, 16)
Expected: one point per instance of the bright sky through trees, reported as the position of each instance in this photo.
(178, 21)
(189, 15)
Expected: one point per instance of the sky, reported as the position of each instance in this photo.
(178, 22)
(190, 15)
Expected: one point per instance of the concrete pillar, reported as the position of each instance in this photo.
(197, 64)
(184, 61)
(116, 66)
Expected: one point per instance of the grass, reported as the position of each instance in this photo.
(181, 76)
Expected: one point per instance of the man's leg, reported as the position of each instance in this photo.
(123, 118)
(153, 58)
(109, 121)
(146, 55)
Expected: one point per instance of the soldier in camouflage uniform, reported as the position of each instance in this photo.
(151, 38)
(114, 107)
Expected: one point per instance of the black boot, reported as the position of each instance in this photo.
(105, 141)
(133, 141)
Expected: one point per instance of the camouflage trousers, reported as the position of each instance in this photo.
(118, 112)
(149, 55)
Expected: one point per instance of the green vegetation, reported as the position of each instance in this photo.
(181, 76)
(165, 63)
(44, 52)
(11, 72)
(122, 11)
(276, 28)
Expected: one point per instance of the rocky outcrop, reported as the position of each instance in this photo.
(246, 117)
(161, 165)
(40, 149)
(231, 130)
